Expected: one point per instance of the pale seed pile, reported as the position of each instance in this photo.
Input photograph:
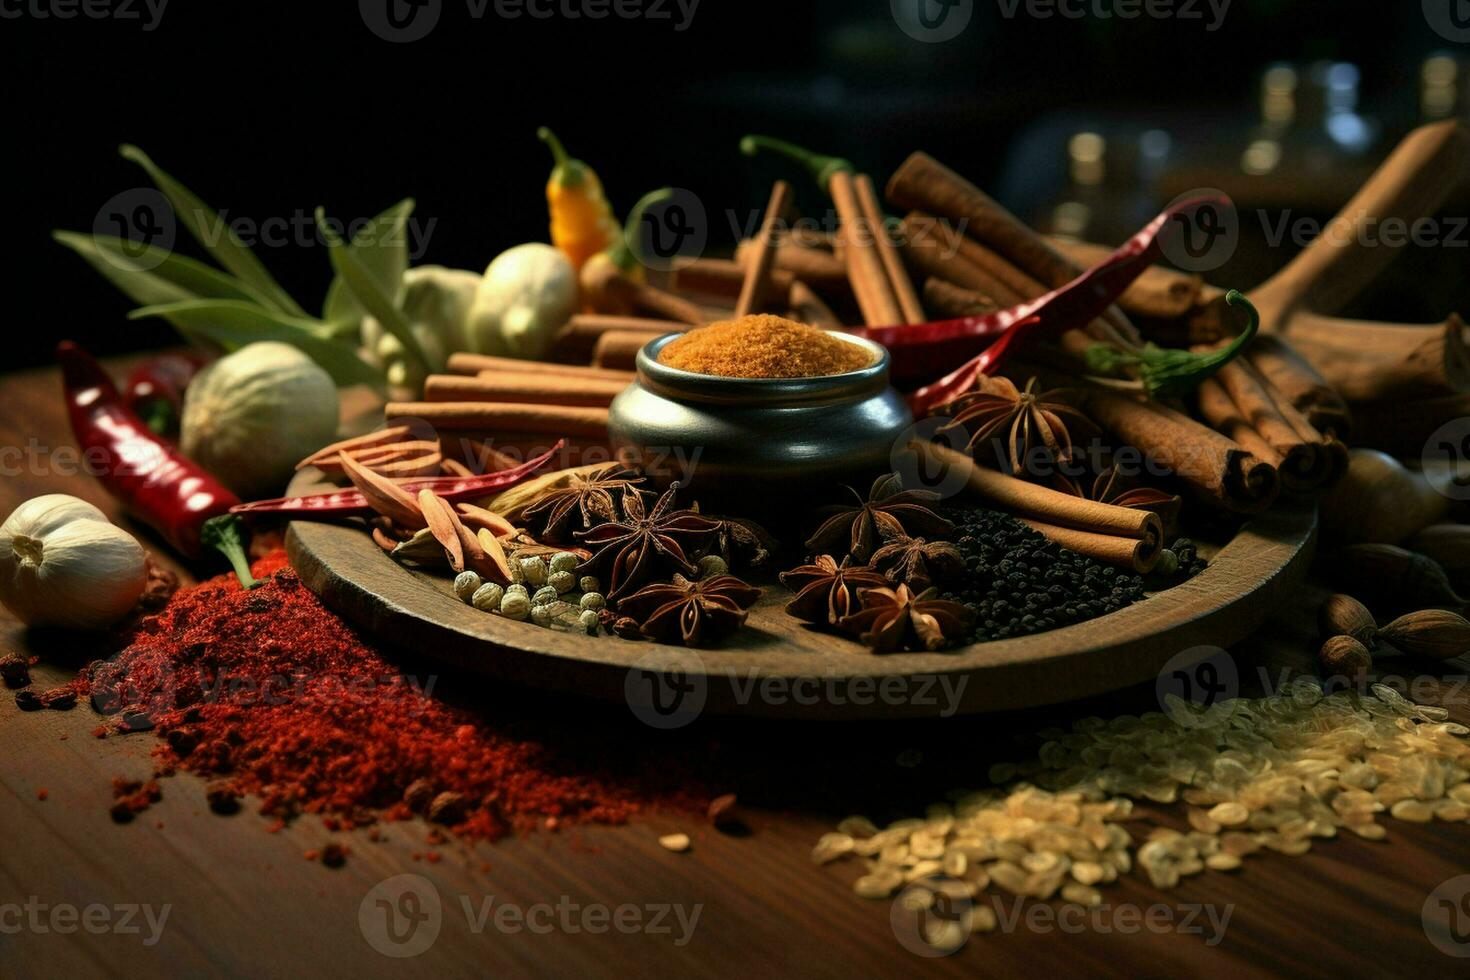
(1271, 773)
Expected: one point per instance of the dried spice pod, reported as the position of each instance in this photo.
(1342, 615)
(1392, 578)
(1448, 544)
(1344, 656)
(1436, 633)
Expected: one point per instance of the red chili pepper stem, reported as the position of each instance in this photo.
(227, 533)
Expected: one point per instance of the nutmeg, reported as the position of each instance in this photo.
(1343, 656)
(1342, 615)
(1392, 577)
(1436, 633)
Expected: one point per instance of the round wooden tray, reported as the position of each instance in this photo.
(779, 667)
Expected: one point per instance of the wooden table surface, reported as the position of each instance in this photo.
(243, 902)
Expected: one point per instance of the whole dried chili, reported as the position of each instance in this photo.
(348, 503)
(268, 693)
(155, 388)
(917, 351)
(162, 488)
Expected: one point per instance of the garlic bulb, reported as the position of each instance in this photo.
(63, 564)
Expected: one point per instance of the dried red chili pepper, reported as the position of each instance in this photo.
(916, 351)
(161, 487)
(347, 503)
(155, 389)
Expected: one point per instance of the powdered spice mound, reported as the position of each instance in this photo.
(763, 346)
(271, 694)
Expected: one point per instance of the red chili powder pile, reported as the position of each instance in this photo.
(270, 692)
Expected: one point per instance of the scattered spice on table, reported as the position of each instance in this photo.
(1256, 774)
(763, 346)
(267, 693)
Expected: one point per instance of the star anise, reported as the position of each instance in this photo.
(895, 619)
(826, 591)
(889, 512)
(742, 543)
(1014, 423)
(583, 502)
(693, 613)
(1110, 487)
(627, 552)
(916, 562)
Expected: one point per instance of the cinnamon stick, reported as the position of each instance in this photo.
(1217, 408)
(726, 277)
(898, 276)
(499, 416)
(480, 364)
(619, 349)
(1216, 468)
(1298, 452)
(1045, 504)
(1160, 293)
(1137, 555)
(933, 248)
(758, 267)
(1300, 384)
(578, 339)
(1371, 361)
(923, 183)
(865, 271)
(503, 386)
(946, 299)
(817, 267)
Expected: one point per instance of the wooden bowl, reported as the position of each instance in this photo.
(779, 667)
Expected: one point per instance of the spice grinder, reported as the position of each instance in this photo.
(738, 438)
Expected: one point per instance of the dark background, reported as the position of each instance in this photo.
(271, 109)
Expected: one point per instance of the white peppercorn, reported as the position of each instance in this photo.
(465, 584)
(544, 595)
(515, 605)
(487, 598)
(533, 572)
(589, 583)
(588, 621)
(711, 566)
(542, 615)
(592, 601)
(561, 581)
(564, 561)
(517, 587)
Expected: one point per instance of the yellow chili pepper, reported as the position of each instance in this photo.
(582, 222)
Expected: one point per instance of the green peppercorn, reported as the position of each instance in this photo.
(465, 584)
(592, 601)
(515, 605)
(588, 620)
(589, 583)
(561, 581)
(544, 595)
(564, 561)
(488, 597)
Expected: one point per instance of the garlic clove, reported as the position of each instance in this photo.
(84, 574)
